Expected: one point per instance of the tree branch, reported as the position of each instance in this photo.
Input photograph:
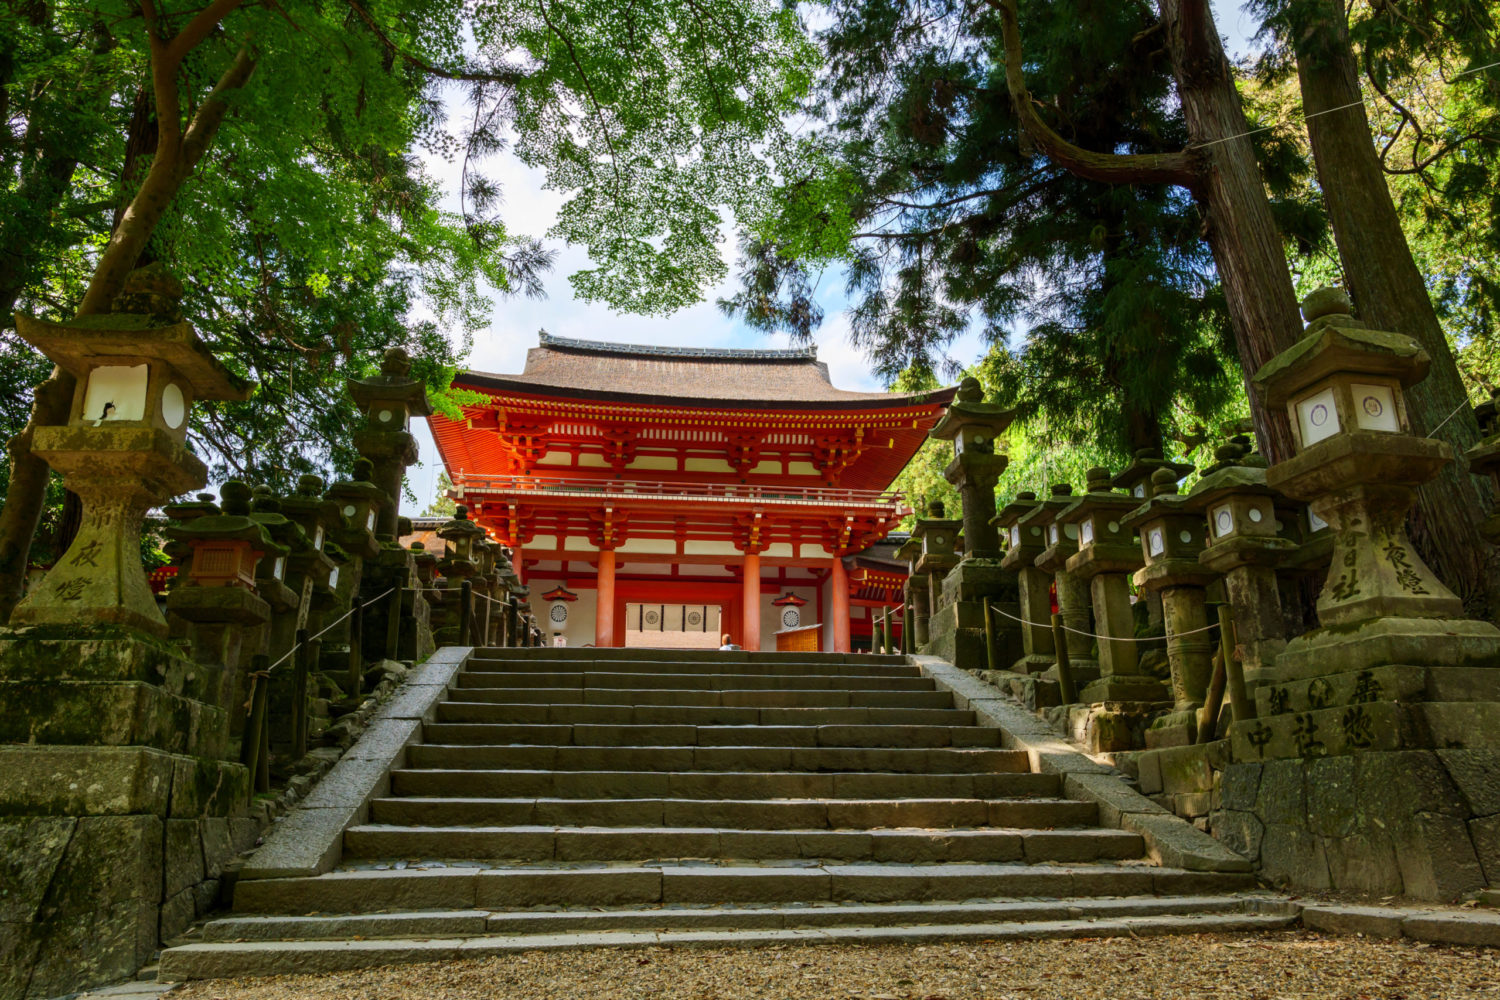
(211, 114)
(1108, 168)
(467, 76)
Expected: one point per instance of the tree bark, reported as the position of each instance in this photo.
(1246, 244)
(1220, 169)
(1389, 294)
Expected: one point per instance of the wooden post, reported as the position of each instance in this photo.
(838, 581)
(1241, 705)
(393, 624)
(750, 602)
(465, 613)
(1213, 701)
(1064, 665)
(255, 722)
(604, 611)
(299, 695)
(263, 769)
(356, 647)
(991, 651)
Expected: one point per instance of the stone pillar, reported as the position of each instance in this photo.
(1172, 536)
(750, 601)
(975, 428)
(1246, 546)
(1034, 601)
(1107, 555)
(838, 580)
(1072, 591)
(604, 614)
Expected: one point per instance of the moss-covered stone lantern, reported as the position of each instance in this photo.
(975, 428)
(1247, 543)
(1022, 546)
(218, 598)
(938, 537)
(917, 591)
(1171, 536)
(389, 401)
(124, 448)
(1357, 465)
(1061, 542)
(460, 558)
(1107, 556)
(1484, 458)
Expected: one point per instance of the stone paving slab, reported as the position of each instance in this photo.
(1440, 925)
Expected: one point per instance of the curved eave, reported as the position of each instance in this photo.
(485, 382)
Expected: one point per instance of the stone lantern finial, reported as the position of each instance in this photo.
(935, 509)
(1097, 480)
(151, 291)
(236, 497)
(1163, 482)
(396, 363)
(1329, 301)
(310, 486)
(969, 391)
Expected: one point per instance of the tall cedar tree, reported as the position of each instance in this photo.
(922, 188)
(1388, 290)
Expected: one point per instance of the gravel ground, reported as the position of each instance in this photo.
(1277, 966)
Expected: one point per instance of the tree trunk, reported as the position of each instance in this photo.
(1246, 244)
(28, 487)
(1389, 294)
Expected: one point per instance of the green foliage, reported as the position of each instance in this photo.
(1099, 302)
(442, 505)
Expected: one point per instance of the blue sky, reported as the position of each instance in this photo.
(530, 210)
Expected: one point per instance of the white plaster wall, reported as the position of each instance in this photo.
(579, 629)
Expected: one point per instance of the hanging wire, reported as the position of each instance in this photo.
(1107, 638)
(323, 631)
(1315, 114)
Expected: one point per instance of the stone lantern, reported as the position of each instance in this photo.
(461, 558)
(218, 597)
(360, 502)
(1107, 556)
(1247, 543)
(123, 450)
(975, 428)
(1060, 543)
(389, 401)
(1357, 465)
(1172, 535)
(938, 538)
(917, 593)
(1022, 547)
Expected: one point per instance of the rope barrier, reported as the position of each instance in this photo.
(1106, 638)
(324, 630)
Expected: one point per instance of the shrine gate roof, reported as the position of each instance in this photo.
(683, 376)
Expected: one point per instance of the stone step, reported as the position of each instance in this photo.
(779, 668)
(946, 760)
(474, 783)
(532, 844)
(215, 960)
(693, 682)
(546, 653)
(828, 698)
(467, 733)
(742, 814)
(476, 923)
(369, 891)
(698, 715)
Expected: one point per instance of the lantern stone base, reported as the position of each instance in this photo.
(1125, 687)
(104, 853)
(110, 688)
(955, 629)
(1449, 642)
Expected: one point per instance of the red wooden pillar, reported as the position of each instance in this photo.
(838, 580)
(604, 614)
(750, 605)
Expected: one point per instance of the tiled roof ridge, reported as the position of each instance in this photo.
(808, 353)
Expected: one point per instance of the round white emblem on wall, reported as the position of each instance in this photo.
(558, 613)
(791, 618)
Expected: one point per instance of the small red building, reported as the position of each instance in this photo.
(683, 487)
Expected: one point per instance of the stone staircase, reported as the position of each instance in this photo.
(563, 798)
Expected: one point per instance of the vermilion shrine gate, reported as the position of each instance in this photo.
(644, 478)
